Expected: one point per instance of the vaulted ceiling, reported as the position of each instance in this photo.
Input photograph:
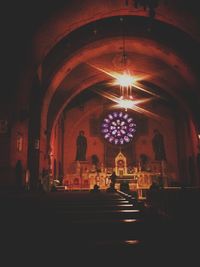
(68, 43)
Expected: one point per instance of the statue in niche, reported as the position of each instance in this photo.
(158, 146)
(81, 146)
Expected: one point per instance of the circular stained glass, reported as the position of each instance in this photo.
(118, 128)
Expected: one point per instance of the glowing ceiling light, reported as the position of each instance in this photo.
(127, 84)
(134, 107)
(125, 103)
(125, 80)
(132, 242)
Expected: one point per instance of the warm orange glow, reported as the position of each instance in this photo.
(134, 107)
(125, 80)
(127, 83)
(125, 103)
(142, 88)
(130, 220)
(129, 103)
(128, 210)
(132, 242)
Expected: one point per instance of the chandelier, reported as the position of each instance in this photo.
(128, 84)
(125, 80)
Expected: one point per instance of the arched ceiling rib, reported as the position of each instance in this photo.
(75, 14)
(166, 47)
(163, 35)
(146, 57)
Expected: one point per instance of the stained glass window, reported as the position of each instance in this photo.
(118, 128)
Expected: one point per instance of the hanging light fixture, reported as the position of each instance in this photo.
(125, 80)
(127, 83)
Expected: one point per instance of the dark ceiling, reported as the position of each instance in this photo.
(167, 53)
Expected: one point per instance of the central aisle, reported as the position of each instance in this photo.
(82, 226)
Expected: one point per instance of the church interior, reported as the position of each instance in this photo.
(96, 88)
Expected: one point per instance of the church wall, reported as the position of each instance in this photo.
(56, 164)
(143, 145)
(187, 145)
(13, 142)
(196, 150)
(79, 118)
(191, 145)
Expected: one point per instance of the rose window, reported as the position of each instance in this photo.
(118, 128)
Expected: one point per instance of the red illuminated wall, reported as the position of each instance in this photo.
(79, 118)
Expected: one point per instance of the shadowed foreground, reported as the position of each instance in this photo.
(87, 227)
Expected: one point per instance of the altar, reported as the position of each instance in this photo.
(86, 175)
